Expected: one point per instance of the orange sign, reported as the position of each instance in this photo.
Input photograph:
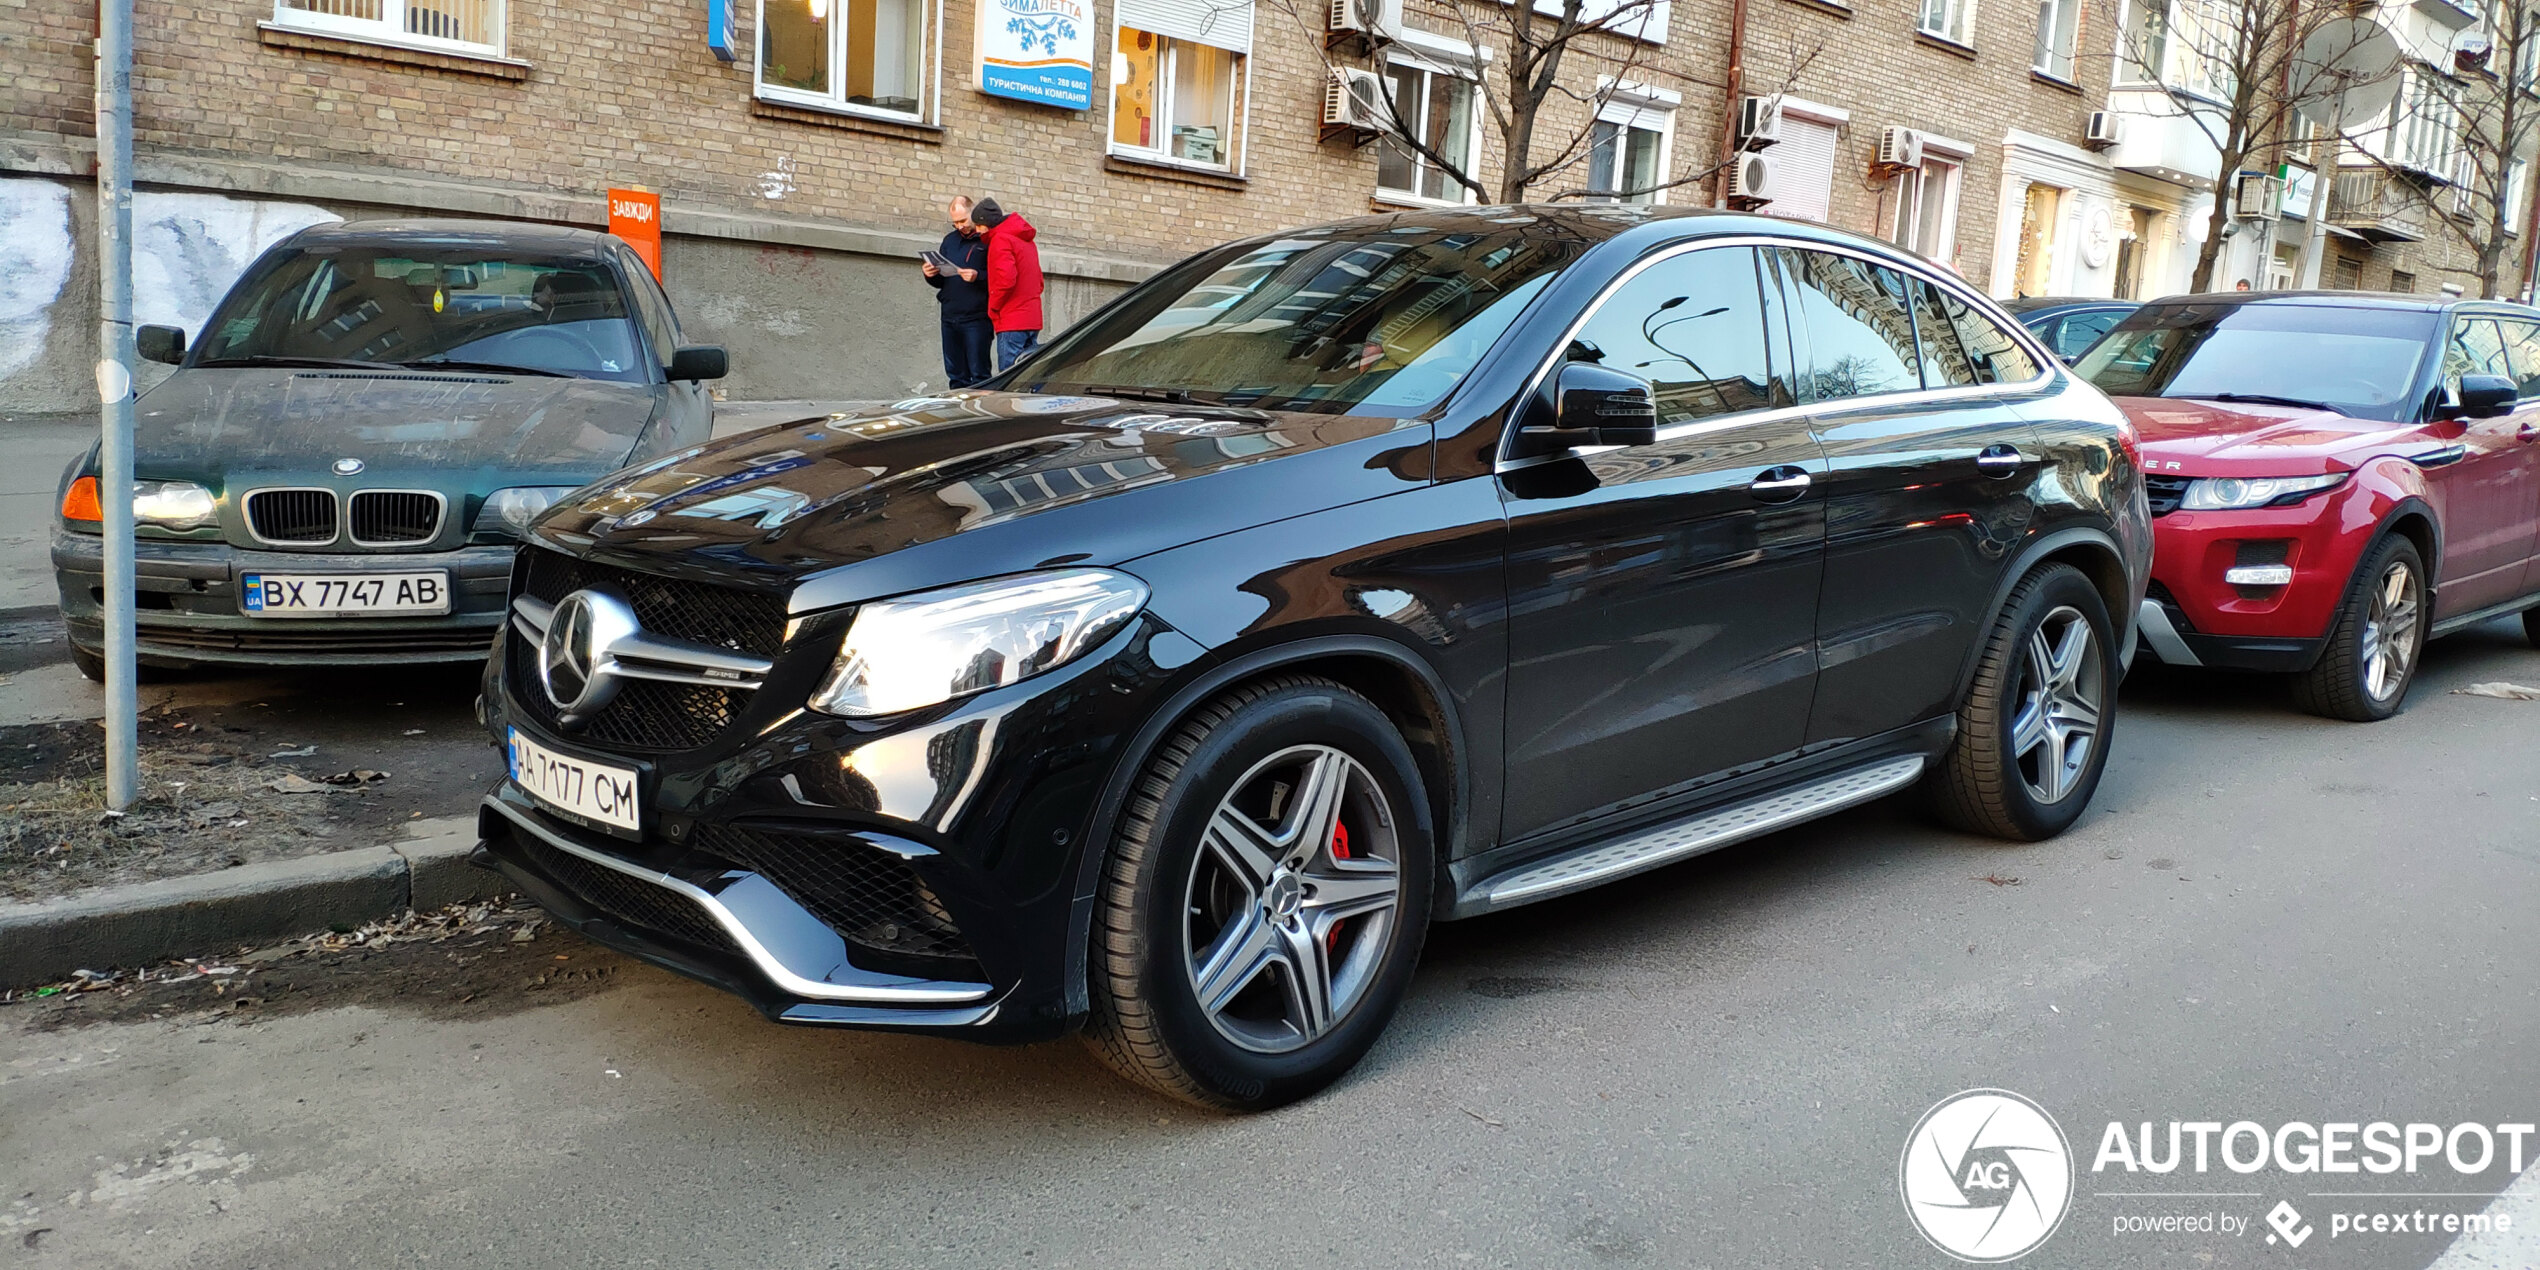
(635, 215)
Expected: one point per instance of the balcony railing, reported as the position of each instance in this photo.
(2380, 205)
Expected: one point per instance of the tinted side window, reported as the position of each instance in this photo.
(2522, 351)
(1945, 363)
(2476, 348)
(1693, 326)
(2081, 330)
(651, 307)
(1996, 356)
(1860, 340)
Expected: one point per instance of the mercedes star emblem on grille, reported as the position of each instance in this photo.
(577, 660)
(348, 467)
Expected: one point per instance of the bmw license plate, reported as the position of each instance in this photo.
(420, 594)
(599, 793)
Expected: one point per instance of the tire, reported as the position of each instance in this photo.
(1203, 885)
(91, 664)
(2354, 679)
(2531, 626)
(2045, 686)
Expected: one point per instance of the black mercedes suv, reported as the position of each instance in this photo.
(1327, 584)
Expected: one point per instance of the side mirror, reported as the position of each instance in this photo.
(164, 344)
(1594, 405)
(700, 361)
(2487, 396)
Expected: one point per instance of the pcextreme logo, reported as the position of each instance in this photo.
(1986, 1175)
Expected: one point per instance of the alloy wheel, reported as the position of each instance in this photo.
(2390, 634)
(1292, 899)
(2062, 691)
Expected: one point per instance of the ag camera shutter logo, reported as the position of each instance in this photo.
(1987, 1176)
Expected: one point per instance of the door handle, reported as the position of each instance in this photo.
(2000, 460)
(1779, 484)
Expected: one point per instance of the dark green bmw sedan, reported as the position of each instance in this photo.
(341, 465)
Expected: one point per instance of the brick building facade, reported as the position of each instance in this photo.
(799, 177)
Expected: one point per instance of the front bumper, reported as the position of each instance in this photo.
(187, 612)
(2195, 615)
(916, 873)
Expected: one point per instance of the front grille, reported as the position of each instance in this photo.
(391, 517)
(648, 715)
(292, 517)
(298, 639)
(871, 897)
(2164, 493)
(653, 910)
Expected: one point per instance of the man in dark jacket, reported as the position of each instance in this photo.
(1014, 281)
(961, 298)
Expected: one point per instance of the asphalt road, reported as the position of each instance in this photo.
(2266, 918)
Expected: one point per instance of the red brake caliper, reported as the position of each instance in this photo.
(1340, 851)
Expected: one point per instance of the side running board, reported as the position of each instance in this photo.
(1605, 861)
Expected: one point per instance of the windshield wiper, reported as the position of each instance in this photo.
(438, 363)
(276, 359)
(2263, 399)
(1136, 392)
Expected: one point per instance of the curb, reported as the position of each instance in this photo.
(146, 922)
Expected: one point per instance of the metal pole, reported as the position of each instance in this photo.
(2323, 173)
(114, 390)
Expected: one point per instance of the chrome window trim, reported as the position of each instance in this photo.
(440, 517)
(2020, 334)
(247, 516)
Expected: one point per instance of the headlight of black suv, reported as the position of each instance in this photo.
(919, 650)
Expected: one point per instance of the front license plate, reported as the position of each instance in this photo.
(601, 793)
(344, 594)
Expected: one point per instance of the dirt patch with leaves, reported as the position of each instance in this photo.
(470, 960)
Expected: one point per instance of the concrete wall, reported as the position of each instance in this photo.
(801, 322)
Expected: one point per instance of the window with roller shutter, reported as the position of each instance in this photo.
(1178, 80)
(1803, 169)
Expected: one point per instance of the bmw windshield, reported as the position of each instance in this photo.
(418, 305)
(2357, 361)
(1345, 320)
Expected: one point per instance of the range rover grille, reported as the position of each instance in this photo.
(2164, 493)
(292, 517)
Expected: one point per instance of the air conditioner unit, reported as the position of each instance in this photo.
(1354, 99)
(2257, 196)
(2106, 128)
(1751, 179)
(1376, 20)
(1759, 122)
(1900, 147)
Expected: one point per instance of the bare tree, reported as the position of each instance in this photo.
(1694, 170)
(1545, 121)
(2226, 66)
(2479, 118)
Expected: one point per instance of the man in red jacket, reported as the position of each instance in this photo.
(1014, 281)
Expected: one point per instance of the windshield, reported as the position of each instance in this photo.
(415, 305)
(1387, 321)
(2362, 362)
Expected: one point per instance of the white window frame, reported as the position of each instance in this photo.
(1166, 85)
(389, 28)
(1947, 161)
(1437, 55)
(930, 68)
(2058, 35)
(1957, 21)
(2185, 61)
(2517, 189)
(1646, 108)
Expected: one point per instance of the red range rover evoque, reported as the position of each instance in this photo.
(2335, 478)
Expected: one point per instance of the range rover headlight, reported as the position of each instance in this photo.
(933, 646)
(178, 505)
(2236, 493)
(509, 511)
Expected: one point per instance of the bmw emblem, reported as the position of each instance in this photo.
(348, 467)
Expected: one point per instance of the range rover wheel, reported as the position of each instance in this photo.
(2372, 652)
(2033, 731)
(2531, 626)
(1265, 900)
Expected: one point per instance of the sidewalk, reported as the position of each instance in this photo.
(38, 447)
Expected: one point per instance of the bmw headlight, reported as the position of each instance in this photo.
(509, 511)
(177, 505)
(2235, 493)
(937, 645)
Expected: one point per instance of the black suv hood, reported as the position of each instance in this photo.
(946, 489)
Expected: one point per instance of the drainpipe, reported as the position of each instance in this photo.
(1736, 100)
